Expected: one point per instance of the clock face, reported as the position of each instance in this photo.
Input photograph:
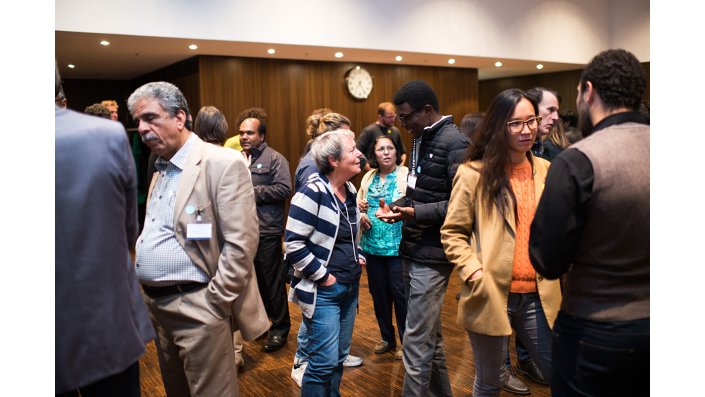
(359, 83)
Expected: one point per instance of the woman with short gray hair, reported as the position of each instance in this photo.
(321, 244)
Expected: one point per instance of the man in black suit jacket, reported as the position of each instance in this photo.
(102, 324)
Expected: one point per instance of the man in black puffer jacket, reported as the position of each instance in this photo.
(437, 150)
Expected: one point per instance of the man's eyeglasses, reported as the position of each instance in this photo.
(517, 126)
(403, 117)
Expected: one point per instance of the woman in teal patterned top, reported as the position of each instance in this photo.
(380, 241)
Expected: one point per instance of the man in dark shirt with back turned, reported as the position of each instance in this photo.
(592, 224)
(383, 126)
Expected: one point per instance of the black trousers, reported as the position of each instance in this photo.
(386, 284)
(123, 384)
(271, 280)
(600, 358)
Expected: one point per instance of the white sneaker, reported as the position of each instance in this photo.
(297, 374)
(352, 361)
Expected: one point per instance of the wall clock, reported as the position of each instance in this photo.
(359, 82)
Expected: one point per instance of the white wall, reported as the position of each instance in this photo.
(570, 31)
(630, 28)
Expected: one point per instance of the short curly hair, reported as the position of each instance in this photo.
(313, 121)
(618, 78)
(254, 113)
(329, 144)
(417, 93)
(97, 109)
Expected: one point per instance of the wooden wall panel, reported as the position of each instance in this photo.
(565, 83)
(289, 90)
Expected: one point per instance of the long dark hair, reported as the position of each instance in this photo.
(489, 145)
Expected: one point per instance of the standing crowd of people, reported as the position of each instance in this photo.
(548, 233)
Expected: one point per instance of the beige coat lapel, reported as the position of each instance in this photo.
(509, 215)
(539, 183)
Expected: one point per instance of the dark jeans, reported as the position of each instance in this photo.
(271, 280)
(386, 283)
(123, 384)
(600, 358)
(522, 354)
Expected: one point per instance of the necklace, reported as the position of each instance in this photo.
(347, 218)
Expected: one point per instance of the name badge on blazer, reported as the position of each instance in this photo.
(198, 231)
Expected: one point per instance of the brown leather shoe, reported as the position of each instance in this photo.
(529, 368)
(512, 384)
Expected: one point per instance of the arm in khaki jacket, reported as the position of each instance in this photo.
(457, 228)
(233, 287)
(237, 224)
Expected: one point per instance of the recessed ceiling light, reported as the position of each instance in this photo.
(193, 47)
(539, 66)
(271, 51)
(398, 58)
(451, 61)
(105, 42)
(71, 66)
(338, 54)
(498, 64)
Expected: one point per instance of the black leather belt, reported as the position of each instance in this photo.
(157, 292)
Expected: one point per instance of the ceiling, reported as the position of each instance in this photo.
(128, 57)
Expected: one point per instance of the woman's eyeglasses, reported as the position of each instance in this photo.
(517, 126)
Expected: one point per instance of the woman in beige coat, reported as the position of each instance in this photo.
(486, 235)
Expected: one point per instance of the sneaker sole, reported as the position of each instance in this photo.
(518, 393)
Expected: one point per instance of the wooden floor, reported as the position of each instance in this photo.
(268, 374)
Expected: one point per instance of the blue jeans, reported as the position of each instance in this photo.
(302, 348)
(528, 320)
(386, 283)
(600, 358)
(330, 334)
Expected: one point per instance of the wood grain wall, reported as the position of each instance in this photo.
(290, 89)
(565, 83)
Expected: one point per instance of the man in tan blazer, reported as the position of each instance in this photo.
(195, 254)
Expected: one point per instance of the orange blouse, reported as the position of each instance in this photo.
(522, 182)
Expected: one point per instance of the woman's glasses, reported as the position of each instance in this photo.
(517, 126)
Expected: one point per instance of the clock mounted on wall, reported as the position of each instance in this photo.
(359, 82)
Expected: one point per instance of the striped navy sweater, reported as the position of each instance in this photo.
(311, 231)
